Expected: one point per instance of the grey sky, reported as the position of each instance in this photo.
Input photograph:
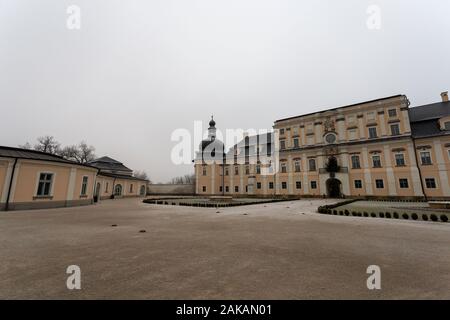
(137, 70)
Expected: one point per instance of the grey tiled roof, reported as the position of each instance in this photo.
(107, 163)
(424, 119)
(11, 152)
(120, 176)
(429, 111)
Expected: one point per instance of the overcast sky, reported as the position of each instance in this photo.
(139, 69)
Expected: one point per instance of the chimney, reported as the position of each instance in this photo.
(444, 96)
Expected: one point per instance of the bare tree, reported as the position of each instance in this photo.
(141, 175)
(81, 153)
(189, 178)
(186, 179)
(27, 146)
(47, 144)
(70, 153)
(85, 152)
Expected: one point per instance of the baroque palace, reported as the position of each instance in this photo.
(375, 149)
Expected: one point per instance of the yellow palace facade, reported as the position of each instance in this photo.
(374, 149)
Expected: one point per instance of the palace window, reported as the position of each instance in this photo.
(372, 132)
(297, 166)
(313, 184)
(84, 185)
(131, 188)
(400, 160)
(258, 185)
(118, 190)
(358, 184)
(227, 171)
(282, 131)
(376, 160)
(392, 113)
(351, 134)
(283, 167)
(270, 185)
(403, 183)
(258, 169)
(282, 144)
(284, 185)
(45, 184)
(298, 184)
(204, 171)
(106, 187)
(425, 157)
(236, 189)
(447, 125)
(312, 164)
(204, 188)
(430, 183)
(395, 129)
(247, 170)
(236, 170)
(379, 183)
(220, 189)
(227, 189)
(296, 145)
(355, 162)
(371, 116)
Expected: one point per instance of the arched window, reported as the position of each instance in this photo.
(118, 190)
(142, 190)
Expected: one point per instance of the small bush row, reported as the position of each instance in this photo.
(387, 215)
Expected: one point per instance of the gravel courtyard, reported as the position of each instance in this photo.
(267, 251)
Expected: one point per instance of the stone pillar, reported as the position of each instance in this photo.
(305, 174)
(213, 179)
(381, 122)
(415, 176)
(392, 189)
(71, 185)
(367, 172)
(442, 168)
(290, 175)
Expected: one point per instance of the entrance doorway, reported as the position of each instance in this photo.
(97, 192)
(334, 188)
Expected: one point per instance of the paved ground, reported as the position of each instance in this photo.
(276, 251)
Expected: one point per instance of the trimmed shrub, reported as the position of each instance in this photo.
(373, 215)
(359, 214)
(354, 213)
(365, 214)
(388, 215)
(347, 213)
(335, 212)
(405, 216)
(434, 217)
(444, 218)
(424, 217)
(341, 213)
(414, 216)
(381, 214)
(396, 216)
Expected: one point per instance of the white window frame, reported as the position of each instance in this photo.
(52, 184)
(435, 182)
(421, 160)
(404, 159)
(373, 163)
(87, 184)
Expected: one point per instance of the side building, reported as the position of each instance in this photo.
(36, 180)
(374, 149)
(115, 180)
